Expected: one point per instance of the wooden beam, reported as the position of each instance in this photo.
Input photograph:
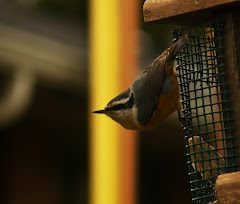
(231, 52)
(228, 188)
(182, 12)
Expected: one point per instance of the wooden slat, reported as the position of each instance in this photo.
(228, 188)
(182, 12)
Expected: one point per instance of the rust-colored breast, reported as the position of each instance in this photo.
(167, 104)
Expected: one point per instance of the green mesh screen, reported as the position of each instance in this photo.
(207, 124)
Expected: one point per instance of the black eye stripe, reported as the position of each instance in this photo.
(118, 107)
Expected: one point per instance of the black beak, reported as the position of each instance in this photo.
(99, 111)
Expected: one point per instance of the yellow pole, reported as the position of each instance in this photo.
(104, 85)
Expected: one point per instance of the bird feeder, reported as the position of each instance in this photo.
(209, 80)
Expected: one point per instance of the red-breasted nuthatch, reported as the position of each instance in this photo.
(152, 97)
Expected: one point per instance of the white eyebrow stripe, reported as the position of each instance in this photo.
(123, 101)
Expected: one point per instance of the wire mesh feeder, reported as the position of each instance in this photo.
(209, 134)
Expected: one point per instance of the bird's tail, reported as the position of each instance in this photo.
(177, 46)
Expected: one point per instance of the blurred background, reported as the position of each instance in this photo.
(44, 109)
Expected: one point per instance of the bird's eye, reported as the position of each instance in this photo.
(117, 107)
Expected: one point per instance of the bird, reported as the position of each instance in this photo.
(152, 97)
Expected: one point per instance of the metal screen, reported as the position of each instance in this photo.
(206, 109)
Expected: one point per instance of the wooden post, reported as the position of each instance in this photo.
(231, 50)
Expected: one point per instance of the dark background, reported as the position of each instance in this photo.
(45, 150)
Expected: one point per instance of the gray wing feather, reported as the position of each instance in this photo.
(149, 85)
(153, 81)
